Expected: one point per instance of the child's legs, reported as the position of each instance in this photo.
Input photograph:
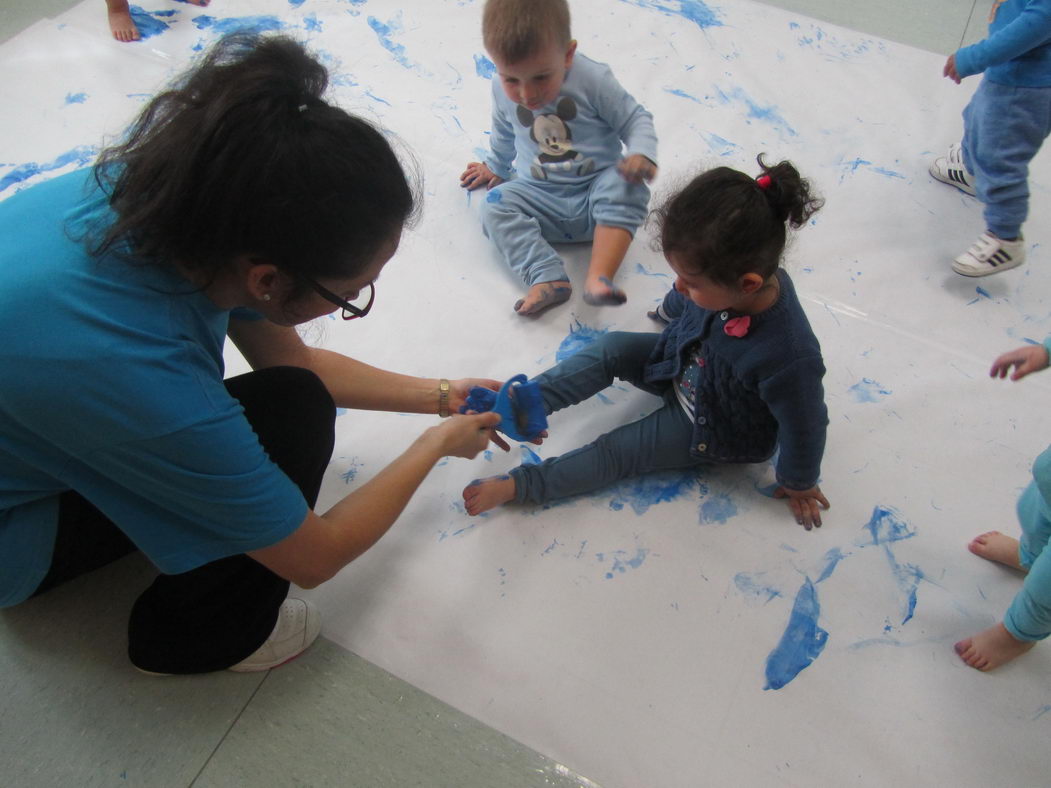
(613, 202)
(520, 218)
(618, 355)
(660, 441)
(1004, 128)
(1029, 616)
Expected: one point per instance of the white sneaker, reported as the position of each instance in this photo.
(298, 625)
(990, 255)
(949, 169)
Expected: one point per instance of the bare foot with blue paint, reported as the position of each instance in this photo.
(992, 648)
(543, 296)
(600, 291)
(120, 22)
(995, 546)
(481, 495)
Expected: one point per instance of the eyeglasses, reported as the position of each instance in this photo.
(350, 311)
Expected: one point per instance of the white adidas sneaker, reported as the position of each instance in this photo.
(990, 255)
(950, 169)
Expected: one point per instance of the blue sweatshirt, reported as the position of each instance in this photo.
(1018, 49)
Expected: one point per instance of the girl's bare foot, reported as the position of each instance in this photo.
(991, 648)
(123, 28)
(481, 495)
(600, 291)
(541, 296)
(995, 546)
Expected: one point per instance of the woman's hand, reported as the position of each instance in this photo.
(806, 505)
(466, 435)
(459, 389)
(1027, 359)
(477, 175)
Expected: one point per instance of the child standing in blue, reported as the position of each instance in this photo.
(738, 365)
(1005, 124)
(1028, 619)
(564, 121)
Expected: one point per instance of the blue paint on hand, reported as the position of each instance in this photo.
(802, 642)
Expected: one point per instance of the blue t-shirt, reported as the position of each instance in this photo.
(111, 384)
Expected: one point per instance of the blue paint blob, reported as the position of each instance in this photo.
(682, 94)
(81, 155)
(529, 457)
(767, 114)
(642, 492)
(622, 564)
(754, 585)
(717, 509)
(868, 390)
(76, 98)
(253, 24)
(484, 67)
(310, 22)
(296, 3)
(148, 22)
(691, 10)
(831, 559)
(802, 642)
(493, 195)
(578, 338)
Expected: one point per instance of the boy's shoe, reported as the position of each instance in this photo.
(298, 625)
(949, 169)
(990, 255)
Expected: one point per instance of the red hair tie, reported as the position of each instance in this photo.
(763, 182)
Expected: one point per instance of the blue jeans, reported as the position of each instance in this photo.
(657, 442)
(522, 218)
(1004, 127)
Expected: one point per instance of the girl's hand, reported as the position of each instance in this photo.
(949, 70)
(1030, 358)
(806, 505)
(637, 168)
(477, 175)
(466, 435)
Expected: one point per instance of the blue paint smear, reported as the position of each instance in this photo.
(494, 195)
(719, 145)
(641, 269)
(832, 559)
(76, 98)
(148, 22)
(642, 492)
(529, 457)
(81, 155)
(802, 642)
(717, 509)
(767, 114)
(484, 67)
(682, 94)
(1042, 711)
(753, 585)
(296, 3)
(254, 24)
(622, 565)
(691, 10)
(578, 339)
(868, 390)
(311, 23)
(908, 577)
(383, 33)
(885, 527)
(374, 97)
(488, 455)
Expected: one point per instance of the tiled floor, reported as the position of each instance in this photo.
(75, 713)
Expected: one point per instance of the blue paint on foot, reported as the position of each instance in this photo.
(802, 642)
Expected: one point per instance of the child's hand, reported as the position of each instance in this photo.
(477, 175)
(950, 70)
(1030, 358)
(806, 505)
(637, 168)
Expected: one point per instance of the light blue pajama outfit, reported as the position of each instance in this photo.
(1009, 115)
(564, 183)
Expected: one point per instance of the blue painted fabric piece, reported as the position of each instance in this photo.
(802, 642)
(519, 404)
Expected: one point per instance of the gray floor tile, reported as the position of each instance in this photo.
(332, 718)
(73, 711)
(17, 15)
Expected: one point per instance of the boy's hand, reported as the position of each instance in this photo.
(637, 168)
(1031, 358)
(477, 175)
(950, 70)
(806, 505)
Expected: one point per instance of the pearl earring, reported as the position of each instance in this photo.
(266, 296)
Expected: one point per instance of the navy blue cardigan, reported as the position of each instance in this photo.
(755, 392)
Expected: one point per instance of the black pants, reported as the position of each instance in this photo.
(216, 615)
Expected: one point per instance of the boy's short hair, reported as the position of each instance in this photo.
(513, 30)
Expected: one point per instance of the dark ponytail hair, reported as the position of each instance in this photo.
(726, 224)
(243, 156)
